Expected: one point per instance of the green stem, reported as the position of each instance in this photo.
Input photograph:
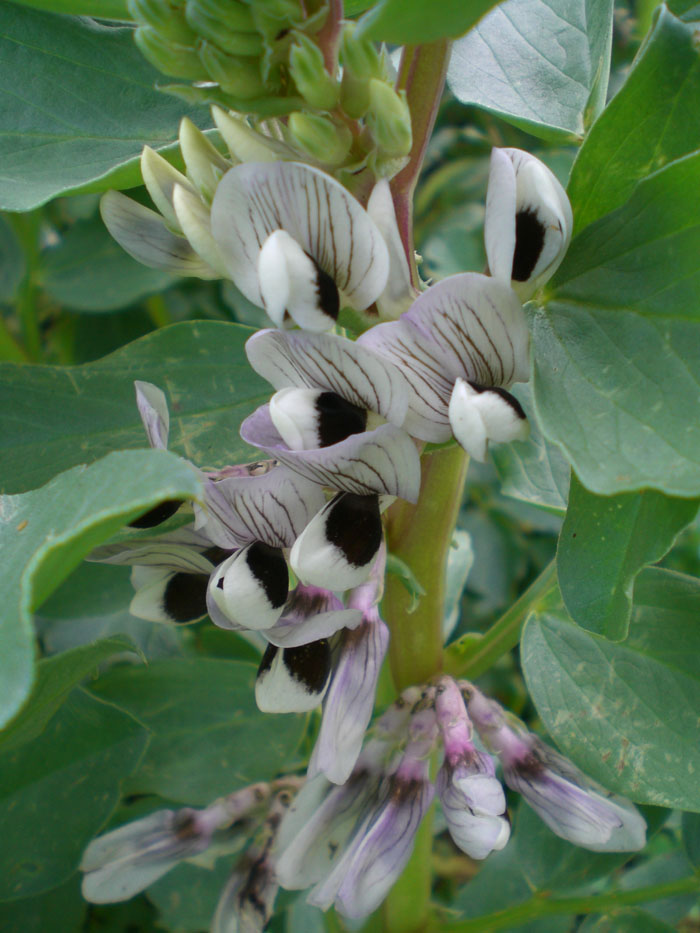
(9, 348)
(420, 535)
(422, 76)
(543, 906)
(26, 226)
(472, 655)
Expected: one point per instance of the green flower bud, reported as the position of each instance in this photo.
(389, 119)
(236, 43)
(236, 75)
(244, 143)
(320, 138)
(180, 61)
(354, 95)
(359, 56)
(205, 164)
(165, 17)
(275, 17)
(306, 66)
(232, 15)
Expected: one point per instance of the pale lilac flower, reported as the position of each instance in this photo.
(460, 347)
(297, 243)
(571, 804)
(528, 221)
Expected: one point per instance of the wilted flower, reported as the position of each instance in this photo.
(528, 221)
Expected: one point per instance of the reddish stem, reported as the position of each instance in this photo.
(328, 37)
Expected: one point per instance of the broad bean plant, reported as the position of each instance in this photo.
(350, 461)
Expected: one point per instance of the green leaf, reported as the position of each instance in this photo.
(201, 366)
(209, 736)
(191, 911)
(89, 271)
(55, 679)
(691, 837)
(406, 22)
(664, 868)
(61, 910)
(12, 262)
(103, 9)
(45, 533)
(625, 920)
(604, 543)
(626, 713)
(78, 117)
(532, 470)
(539, 64)
(59, 790)
(616, 361)
(645, 126)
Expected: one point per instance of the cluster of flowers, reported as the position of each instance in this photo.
(349, 843)
(342, 433)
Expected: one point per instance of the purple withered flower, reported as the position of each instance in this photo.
(472, 797)
(571, 804)
(528, 221)
(297, 243)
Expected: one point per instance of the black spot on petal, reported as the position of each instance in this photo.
(267, 659)
(185, 596)
(338, 419)
(327, 291)
(268, 566)
(157, 515)
(354, 526)
(310, 664)
(529, 241)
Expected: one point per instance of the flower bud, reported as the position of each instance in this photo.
(320, 138)
(231, 15)
(238, 76)
(306, 66)
(179, 61)
(361, 63)
(389, 119)
(226, 38)
(246, 144)
(205, 164)
(165, 18)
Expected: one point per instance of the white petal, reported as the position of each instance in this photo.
(255, 199)
(173, 598)
(144, 235)
(160, 178)
(273, 276)
(466, 421)
(499, 222)
(153, 409)
(244, 143)
(293, 680)
(194, 219)
(326, 361)
(205, 164)
(250, 587)
(338, 547)
(399, 292)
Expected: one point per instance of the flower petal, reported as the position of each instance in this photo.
(478, 416)
(173, 598)
(153, 409)
(205, 164)
(325, 361)
(255, 199)
(160, 179)
(250, 588)
(293, 680)
(194, 219)
(499, 221)
(311, 614)
(399, 292)
(383, 461)
(144, 235)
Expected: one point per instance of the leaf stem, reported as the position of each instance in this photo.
(540, 905)
(473, 654)
(27, 226)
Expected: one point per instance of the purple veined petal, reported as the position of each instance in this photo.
(153, 409)
(168, 596)
(477, 324)
(383, 461)
(478, 416)
(362, 877)
(423, 368)
(349, 702)
(292, 282)
(317, 827)
(194, 220)
(311, 613)
(528, 221)
(273, 507)
(146, 238)
(255, 199)
(399, 292)
(293, 680)
(128, 859)
(477, 834)
(326, 361)
(250, 587)
(247, 901)
(156, 552)
(338, 548)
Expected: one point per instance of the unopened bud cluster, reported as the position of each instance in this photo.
(331, 100)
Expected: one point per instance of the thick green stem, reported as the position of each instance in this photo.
(26, 226)
(473, 654)
(422, 76)
(542, 906)
(420, 535)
